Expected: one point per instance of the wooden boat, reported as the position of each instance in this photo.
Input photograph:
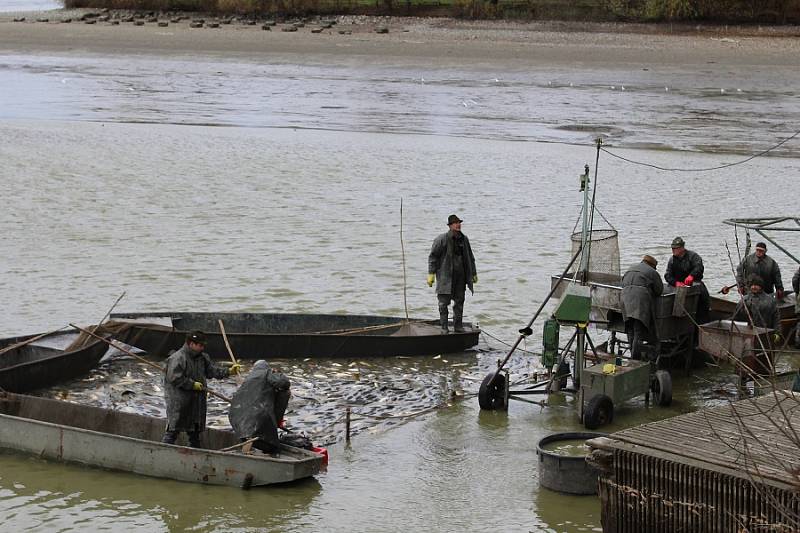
(95, 436)
(723, 309)
(31, 363)
(265, 335)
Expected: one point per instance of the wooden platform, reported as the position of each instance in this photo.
(730, 468)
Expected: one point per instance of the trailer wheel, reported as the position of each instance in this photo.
(492, 392)
(599, 412)
(662, 388)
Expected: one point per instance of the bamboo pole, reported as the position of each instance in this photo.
(142, 359)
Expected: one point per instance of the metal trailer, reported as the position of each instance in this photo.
(675, 310)
(748, 348)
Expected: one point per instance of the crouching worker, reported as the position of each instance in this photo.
(257, 408)
(641, 285)
(185, 388)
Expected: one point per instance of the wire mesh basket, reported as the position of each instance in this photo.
(604, 251)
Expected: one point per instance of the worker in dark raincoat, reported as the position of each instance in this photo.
(185, 388)
(763, 266)
(257, 408)
(759, 310)
(763, 309)
(452, 265)
(641, 285)
(685, 269)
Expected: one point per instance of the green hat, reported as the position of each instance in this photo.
(678, 242)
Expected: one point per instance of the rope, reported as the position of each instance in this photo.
(719, 167)
(504, 343)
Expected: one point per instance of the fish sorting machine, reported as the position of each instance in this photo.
(600, 386)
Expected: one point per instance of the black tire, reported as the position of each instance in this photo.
(492, 392)
(661, 387)
(599, 412)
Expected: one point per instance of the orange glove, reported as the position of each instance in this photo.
(679, 284)
(779, 294)
(689, 280)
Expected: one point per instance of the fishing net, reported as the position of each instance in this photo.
(604, 250)
(259, 405)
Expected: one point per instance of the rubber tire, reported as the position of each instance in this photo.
(492, 392)
(599, 412)
(661, 388)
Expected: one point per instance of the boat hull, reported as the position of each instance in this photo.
(35, 366)
(94, 436)
(261, 336)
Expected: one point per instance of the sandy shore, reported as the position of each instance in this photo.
(414, 40)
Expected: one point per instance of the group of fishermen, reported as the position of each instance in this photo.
(257, 407)
(758, 279)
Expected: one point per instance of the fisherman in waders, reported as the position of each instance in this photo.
(185, 388)
(685, 269)
(257, 408)
(641, 285)
(452, 265)
(796, 287)
(761, 265)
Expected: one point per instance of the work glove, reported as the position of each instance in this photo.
(725, 290)
(475, 279)
(741, 290)
(776, 338)
(431, 278)
(779, 294)
(197, 386)
(689, 280)
(234, 369)
(679, 284)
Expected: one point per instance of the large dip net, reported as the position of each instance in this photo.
(604, 250)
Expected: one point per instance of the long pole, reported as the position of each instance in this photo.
(403, 253)
(536, 315)
(28, 341)
(141, 359)
(228, 346)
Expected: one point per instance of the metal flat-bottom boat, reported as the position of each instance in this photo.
(28, 364)
(129, 442)
(265, 335)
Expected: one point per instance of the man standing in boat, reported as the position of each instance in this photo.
(185, 388)
(641, 285)
(685, 269)
(452, 265)
(761, 265)
(762, 309)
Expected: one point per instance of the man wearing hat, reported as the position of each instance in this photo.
(641, 285)
(452, 265)
(762, 309)
(685, 269)
(765, 267)
(185, 388)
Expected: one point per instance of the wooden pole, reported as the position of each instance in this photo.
(228, 346)
(121, 296)
(142, 359)
(403, 255)
(347, 425)
(32, 339)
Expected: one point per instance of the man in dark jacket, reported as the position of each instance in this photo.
(763, 266)
(762, 309)
(452, 265)
(685, 269)
(796, 287)
(257, 408)
(641, 285)
(185, 388)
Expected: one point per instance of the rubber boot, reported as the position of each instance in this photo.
(458, 324)
(194, 439)
(443, 322)
(169, 437)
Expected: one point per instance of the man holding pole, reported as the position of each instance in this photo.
(185, 388)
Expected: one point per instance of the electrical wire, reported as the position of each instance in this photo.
(707, 169)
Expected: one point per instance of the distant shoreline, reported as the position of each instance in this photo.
(435, 41)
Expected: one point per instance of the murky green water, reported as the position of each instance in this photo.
(261, 218)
